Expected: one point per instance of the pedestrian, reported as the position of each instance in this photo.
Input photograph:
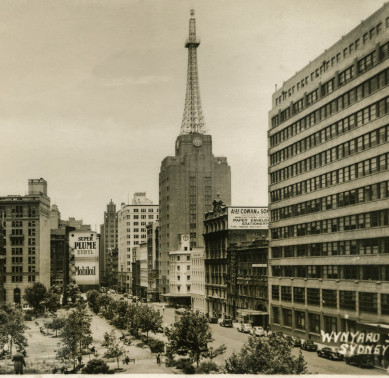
(159, 358)
(163, 308)
(79, 359)
(19, 362)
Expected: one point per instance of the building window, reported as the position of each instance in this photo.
(313, 296)
(287, 317)
(275, 292)
(368, 302)
(286, 293)
(300, 319)
(299, 294)
(329, 298)
(347, 300)
(314, 322)
(276, 315)
(330, 324)
(385, 304)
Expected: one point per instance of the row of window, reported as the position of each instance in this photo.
(371, 246)
(341, 151)
(349, 222)
(335, 59)
(337, 128)
(343, 299)
(347, 198)
(343, 77)
(19, 260)
(20, 278)
(351, 172)
(344, 272)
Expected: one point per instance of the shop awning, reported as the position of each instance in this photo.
(245, 312)
(175, 295)
(377, 325)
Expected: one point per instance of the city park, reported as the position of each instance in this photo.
(100, 333)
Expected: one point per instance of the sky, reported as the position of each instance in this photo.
(92, 92)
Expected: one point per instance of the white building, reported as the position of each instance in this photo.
(180, 273)
(132, 221)
(197, 279)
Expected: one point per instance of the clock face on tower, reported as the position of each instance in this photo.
(197, 142)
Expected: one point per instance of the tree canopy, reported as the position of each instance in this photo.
(266, 355)
(35, 295)
(12, 327)
(190, 336)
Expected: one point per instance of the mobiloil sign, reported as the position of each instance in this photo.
(84, 246)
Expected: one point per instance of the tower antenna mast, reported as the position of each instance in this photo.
(193, 119)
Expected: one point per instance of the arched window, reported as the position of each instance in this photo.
(17, 296)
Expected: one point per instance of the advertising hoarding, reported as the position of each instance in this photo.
(248, 218)
(84, 245)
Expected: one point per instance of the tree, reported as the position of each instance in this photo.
(151, 320)
(96, 366)
(76, 333)
(52, 301)
(72, 292)
(93, 300)
(266, 355)
(55, 325)
(12, 327)
(35, 295)
(190, 335)
(134, 319)
(114, 348)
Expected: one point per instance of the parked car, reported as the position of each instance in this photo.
(226, 323)
(244, 327)
(361, 360)
(330, 353)
(309, 345)
(212, 319)
(258, 331)
(294, 341)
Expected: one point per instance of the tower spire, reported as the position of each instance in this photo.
(193, 119)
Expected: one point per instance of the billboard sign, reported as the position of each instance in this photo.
(84, 246)
(248, 218)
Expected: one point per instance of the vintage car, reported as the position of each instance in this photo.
(244, 327)
(361, 360)
(309, 345)
(330, 353)
(258, 331)
(226, 323)
(294, 341)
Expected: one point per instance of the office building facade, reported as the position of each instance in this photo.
(329, 189)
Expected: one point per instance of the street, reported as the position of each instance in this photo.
(234, 341)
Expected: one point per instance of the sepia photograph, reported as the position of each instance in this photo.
(194, 187)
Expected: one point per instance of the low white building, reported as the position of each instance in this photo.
(180, 273)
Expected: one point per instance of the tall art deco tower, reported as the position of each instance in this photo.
(193, 178)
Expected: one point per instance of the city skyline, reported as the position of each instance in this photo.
(111, 76)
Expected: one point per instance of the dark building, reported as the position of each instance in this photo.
(152, 261)
(58, 242)
(329, 190)
(108, 241)
(2, 257)
(235, 261)
(247, 297)
(190, 180)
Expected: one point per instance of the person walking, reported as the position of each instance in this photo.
(19, 362)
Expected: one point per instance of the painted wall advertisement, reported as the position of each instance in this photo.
(84, 245)
(248, 218)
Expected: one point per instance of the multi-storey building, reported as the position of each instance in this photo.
(197, 284)
(190, 180)
(132, 222)
(247, 297)
(78, 224)
(329, 189)
(108, 241)
(226, 228)
(180, 274)
(27, 239)
(152, 261)
(2, 256)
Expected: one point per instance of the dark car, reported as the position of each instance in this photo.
(361, 360)
(212, 319)
(309, 345)
(226, 323)
(293, 340)
(331, 354)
